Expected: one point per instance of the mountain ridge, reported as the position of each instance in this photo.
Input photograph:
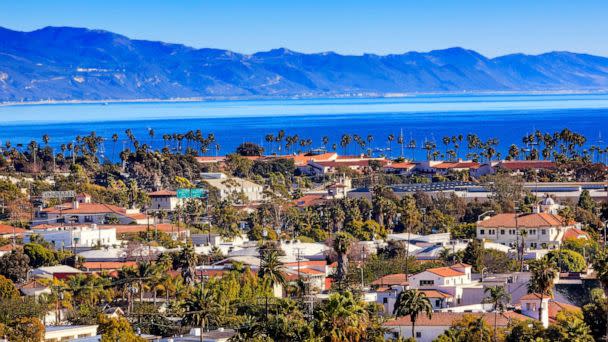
(67, 64)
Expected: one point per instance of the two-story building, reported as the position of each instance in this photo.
(164, 200)
(449, 280)
(535, 230)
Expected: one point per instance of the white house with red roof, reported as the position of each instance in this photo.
(449, 280)
(83, 211)
(531, 303)
(536, 230)
(428, 329)
(164, 200)
(444, 167)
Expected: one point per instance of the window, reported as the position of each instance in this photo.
(384, 300)
(543, 232)
(502, 232)
(437, 302)
(418, 334)
(427, 282)
(482, 231)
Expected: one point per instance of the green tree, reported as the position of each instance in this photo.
(116, 329)
(202, 308)
(595, 314)
(39, 255)
(412, 303)
(7, 289)
(15, 266)
(341, 318)
(249, 149)
(585, 201)
(567, 260)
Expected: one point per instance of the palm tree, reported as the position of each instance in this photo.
(543, 272)
(413, 303)
(271, 268)
(202, 307)
(498, 296)
(341, 245)
(343, 318)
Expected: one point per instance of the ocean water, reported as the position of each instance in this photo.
(424, 117)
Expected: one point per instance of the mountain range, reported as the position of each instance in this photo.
(65, 63)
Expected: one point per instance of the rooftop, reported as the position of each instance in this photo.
(535, 220)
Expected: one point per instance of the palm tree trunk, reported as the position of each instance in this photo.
(495, 324)
(540, 309)
(413, 329)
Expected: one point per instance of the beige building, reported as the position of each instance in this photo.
(234, 187)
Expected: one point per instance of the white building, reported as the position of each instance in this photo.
(83, 211)
(449, 280)
(164, 200)
(427, 330)
(536, 230)
(57, 333)
(77, 237)
(232, 187)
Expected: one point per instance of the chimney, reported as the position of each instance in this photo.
(75, 205)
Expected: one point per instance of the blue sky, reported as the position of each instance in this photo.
(349, 27)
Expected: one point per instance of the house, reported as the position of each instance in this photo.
(85, 212)
(8, 232)
(359, 165)
(438, 299)
(401, 168)
(515, 167)
(427, 330)
(229, 187)
(59, 333)
(164, 200)
(174, 231)
(77, 237)
(57, 272)
(313, 272)
(535, 230)
(450, 280)
(530, 304)
(98, 266)
(34, 288)
(444, 167)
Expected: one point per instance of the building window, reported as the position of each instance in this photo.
(543, 232)
(384, 300)
(418, 334)
(482, 231)
(437, 302)
(427, 282)
(502, 232)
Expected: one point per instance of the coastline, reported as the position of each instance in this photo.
(303, 97)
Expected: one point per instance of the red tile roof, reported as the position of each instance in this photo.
(401, 166)
(445, 272)
(309, 200)
(556, 307)
(310, 271)
(445, 319)
(206, 159)
(7, 230)
(457, 165)
(391, 279)
(436, 294)
(162, 193)
(87, 208)
(107, 265)
(536, 220)
(136, 228)
(575, 233)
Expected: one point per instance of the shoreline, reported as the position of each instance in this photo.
(301, 97)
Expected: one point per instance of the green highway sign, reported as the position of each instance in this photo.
(191, 193)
